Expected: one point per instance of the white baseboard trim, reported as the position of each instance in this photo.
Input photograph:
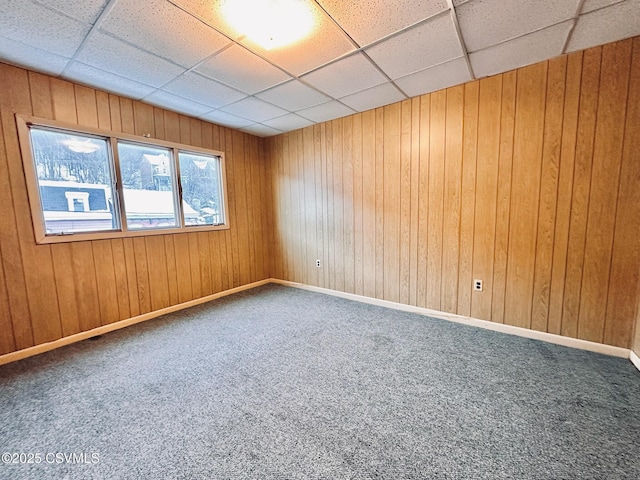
(497, 327)
(634, 359)
(45, 347)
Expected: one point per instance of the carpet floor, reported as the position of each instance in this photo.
(281, 383)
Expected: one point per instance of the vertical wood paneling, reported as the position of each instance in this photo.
(452, 192)
(405, 201)
(391, 195)
(605, 174)
(548, 193)
(503, 201)
(347, 211)
(490, 180)
(437, 136)
(581, 190)
(379, 215)
(489, 116)
(525, 193)
(50, 291)
(624, 273)
(468, 201)
(357, 206)
(565, 191)
(106, 281)
(527, 180)
(414, 242)
(369, 219)
(7, 341)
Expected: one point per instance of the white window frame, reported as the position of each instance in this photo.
(24, 123)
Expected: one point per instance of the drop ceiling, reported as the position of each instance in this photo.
(362, 54)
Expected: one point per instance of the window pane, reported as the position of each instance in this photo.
(147, 180)
(201, 189)
(74, 181)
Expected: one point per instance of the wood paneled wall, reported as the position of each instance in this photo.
(528, 180)
(51, 291)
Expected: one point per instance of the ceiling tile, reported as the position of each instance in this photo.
(325, 43)
(43, 28)
(163, 29)
(487, 22)
(591, 5)
(107, 53)
(293, 95)
(242, 69)
(326, 111)
(288, 122)
(369, 20)
(418, 48)
(607, 25)
(260, 130)
(84, 10)
(522, 51)
(107, 81)
(254, 109)
(31, 57)
(167, 100)
(373, 97)
(226, 119)
(346, 76)
(203, 90)
(435, 78)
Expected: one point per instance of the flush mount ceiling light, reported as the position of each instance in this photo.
(270, 23)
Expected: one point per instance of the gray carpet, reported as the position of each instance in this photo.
(280, 383)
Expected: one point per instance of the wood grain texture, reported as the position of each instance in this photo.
(527, 180)
(51, 291)
(524, 180)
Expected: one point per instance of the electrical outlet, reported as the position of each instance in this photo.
(318, 262)
(477, 285)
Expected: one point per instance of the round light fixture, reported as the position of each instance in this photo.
(270, 23)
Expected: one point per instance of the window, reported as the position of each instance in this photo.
(94, 184)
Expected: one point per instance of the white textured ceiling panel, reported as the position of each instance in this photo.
(245, 71)
(369, 20)
(522, 51)
(287, 122)
(168, 100)
(619, 21)
(488, 22)
(195, 87)
(261, 130)
(361, 54)
(346, 76)
(591, 5)
(435, 78)
(423, 46)
(326, 111)
(86, 11)
(81, 73)
(173, 102)
(225, 118)
(183, 40)
(325, 43)
(41, 27)
(373, 97)
(254, 109)
(293, 95)
(112, 55)
(31, 57)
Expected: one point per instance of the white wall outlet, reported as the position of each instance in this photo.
(477, 285)
(318, 262)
